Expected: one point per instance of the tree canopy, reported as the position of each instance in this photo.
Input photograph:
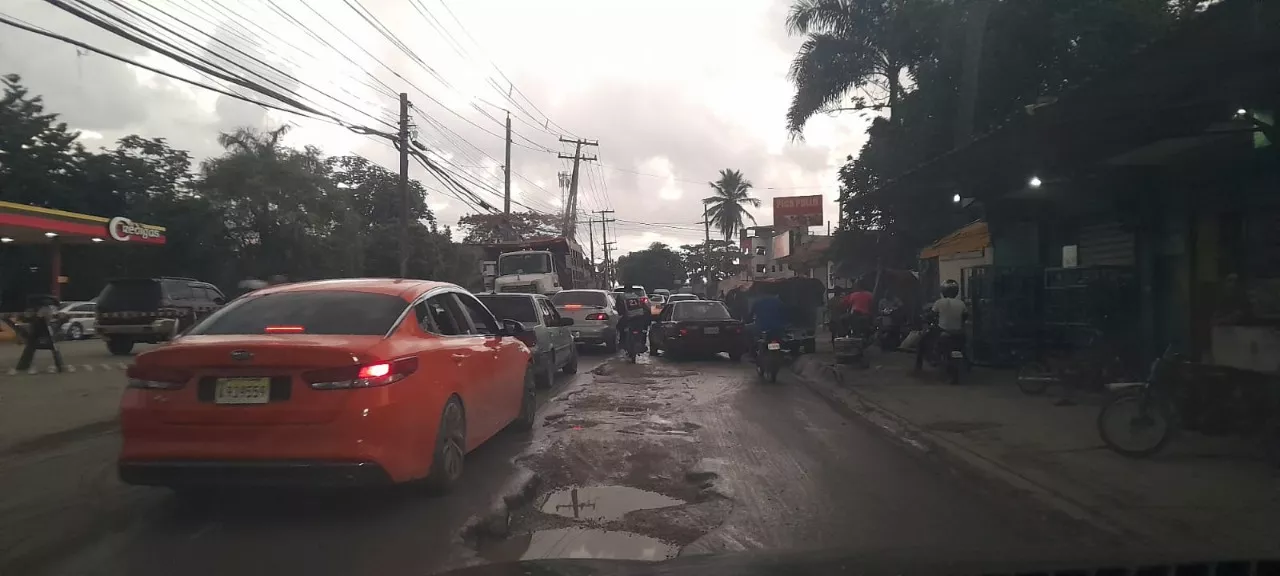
(726, 208)
(259, 209)
(488, 228)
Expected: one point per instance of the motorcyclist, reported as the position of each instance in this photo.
(635, 314)
(949, 312)
(858, 305)
(769, 319)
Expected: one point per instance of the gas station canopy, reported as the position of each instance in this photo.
(23, 224)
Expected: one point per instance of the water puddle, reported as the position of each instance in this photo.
(603, 502)
(577, 543)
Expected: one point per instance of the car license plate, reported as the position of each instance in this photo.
(712, 330)
(957, 354)
(242, 391)
(775, 346)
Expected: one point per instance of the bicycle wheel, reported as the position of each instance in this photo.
(1135, 426)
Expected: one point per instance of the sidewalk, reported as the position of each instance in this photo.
(1201, 493)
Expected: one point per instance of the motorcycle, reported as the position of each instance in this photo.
(945, 349)
(769, 359)
(1142, 417)
(889, 332)
(636, 337)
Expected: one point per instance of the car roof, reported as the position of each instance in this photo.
(586, 290)
(389, 286)
(524, 295)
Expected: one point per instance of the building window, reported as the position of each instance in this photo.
(760, 268)
(773, 268)
(759, 250)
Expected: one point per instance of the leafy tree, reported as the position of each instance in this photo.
(726, 208)
(855, 44)
(726, 260)
(487, 228)
(657, 266)
(39, 156)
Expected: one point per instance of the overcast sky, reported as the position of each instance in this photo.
(673, 91)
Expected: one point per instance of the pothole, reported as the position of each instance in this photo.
(603, 502)
(577, 543)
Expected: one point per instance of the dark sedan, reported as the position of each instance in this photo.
(691, 327)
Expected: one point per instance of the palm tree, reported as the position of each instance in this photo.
(854, 44)
(725, 209)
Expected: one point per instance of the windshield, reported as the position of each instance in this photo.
(538, 263)
(1053, 193)
(699, 311)
(580, 298)
(319, 312)
(518, 308)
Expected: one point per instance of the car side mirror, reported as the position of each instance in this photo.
(511, 328)
(566, 322)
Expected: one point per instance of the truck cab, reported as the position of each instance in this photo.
(527, 272)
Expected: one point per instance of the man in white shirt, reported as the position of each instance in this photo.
(951, 313)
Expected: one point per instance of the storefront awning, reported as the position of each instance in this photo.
(24, 224)
(971, 238)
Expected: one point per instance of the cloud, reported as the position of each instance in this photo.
(675, 99)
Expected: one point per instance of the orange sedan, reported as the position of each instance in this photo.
(337, 382)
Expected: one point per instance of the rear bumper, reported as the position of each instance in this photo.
(252, 473)
(731, 346)
(594, 334)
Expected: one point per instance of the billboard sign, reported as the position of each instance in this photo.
(797, 211)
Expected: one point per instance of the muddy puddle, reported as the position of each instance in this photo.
(577, 543)
(603, 502)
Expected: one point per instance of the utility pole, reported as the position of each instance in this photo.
(591, 243)
(609, 273)
(571, 207)
(706, 248)
(404, 184)
(604, 236)
(506, 177)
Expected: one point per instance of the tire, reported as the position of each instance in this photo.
(119, 346)
(810, 346)
(571, 367)
(450, 451)
(75, 331)
(773, 375)
(528, 406)
(1113, 413)
(546, 375)
(1033, 378)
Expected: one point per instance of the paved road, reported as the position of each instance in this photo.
(64, 512)
(92, 352)
(790, 472)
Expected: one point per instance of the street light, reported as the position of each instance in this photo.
(50, 234)
(1035, 182)
(6, 240)
(956, 199)
(97, 240)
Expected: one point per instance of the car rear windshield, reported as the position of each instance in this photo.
(130, 295)
(700, 311)
(518, 308)
(318, 312)
(583, 298)
(681, 297)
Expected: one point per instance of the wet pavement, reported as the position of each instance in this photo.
(644, 461)
(704, 457)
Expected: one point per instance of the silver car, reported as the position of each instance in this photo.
(546, 333)
(80, 319)
(595, 316)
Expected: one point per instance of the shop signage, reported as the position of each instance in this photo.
(124, 230)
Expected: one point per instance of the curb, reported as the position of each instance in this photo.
(903, 430)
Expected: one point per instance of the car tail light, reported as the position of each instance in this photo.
(597, 316)
(367, 376)
(644, 299)
(735, 329)
(156, 377)
(572, 306)
(684, 332)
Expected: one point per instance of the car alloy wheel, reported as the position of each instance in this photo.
(450, 452)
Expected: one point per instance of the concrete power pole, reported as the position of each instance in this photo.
(571, 207)
(403, 142)
(506, 177)
(706, 248)
(604, 236)
(591, 243)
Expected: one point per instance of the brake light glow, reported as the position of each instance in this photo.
(572, 306)
(684, 331)
(284, 329)
(597, 316)
(367, 376)
(156, 377)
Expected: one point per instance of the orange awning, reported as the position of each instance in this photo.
(971, 238)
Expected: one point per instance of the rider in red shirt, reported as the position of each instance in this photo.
(858, 303)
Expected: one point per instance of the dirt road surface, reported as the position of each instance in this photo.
(645, 461)
(660, 458)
